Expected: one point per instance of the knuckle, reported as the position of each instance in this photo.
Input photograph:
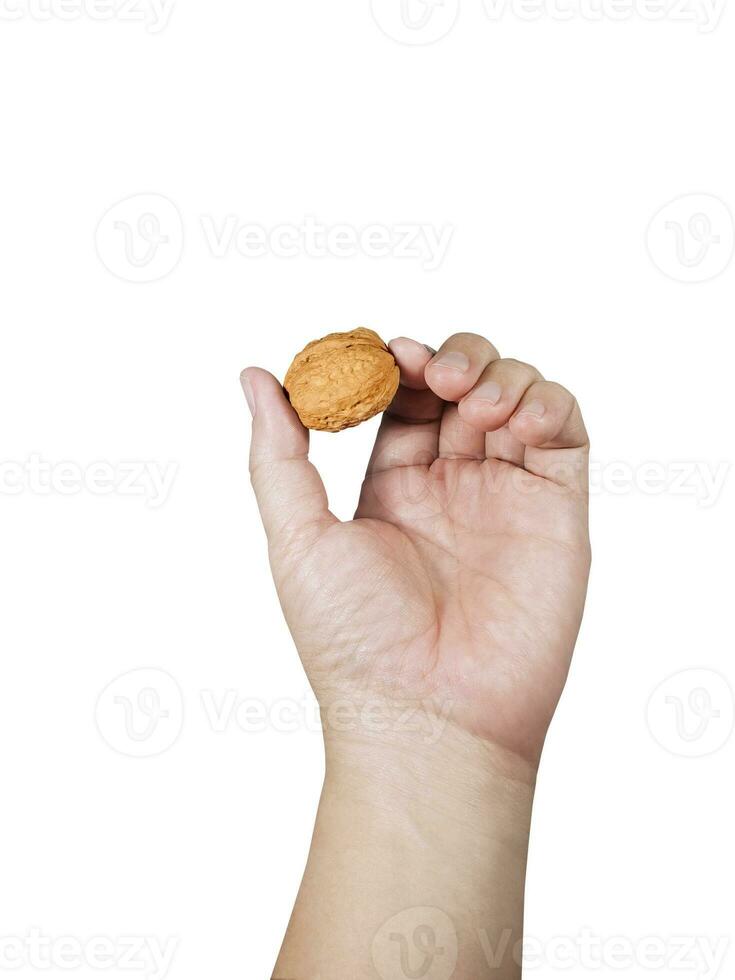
(521, 368)
(564, 394)
(475, 340)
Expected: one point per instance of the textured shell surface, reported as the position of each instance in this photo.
(341, 380)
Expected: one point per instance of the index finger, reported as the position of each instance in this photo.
(409, 430)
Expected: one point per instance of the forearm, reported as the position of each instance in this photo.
(418, 851)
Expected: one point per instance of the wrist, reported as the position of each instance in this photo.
(422, 832)
(414, 842)
(444, 830)
(419, 749)
(454, 797)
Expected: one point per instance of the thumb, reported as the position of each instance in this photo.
(290, 493)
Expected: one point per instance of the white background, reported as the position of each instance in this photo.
(547, 146)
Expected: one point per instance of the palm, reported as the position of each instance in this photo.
(459, 585)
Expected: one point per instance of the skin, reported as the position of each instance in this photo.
(436, 629)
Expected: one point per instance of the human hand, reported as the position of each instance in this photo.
(459, 585)
(461, 581)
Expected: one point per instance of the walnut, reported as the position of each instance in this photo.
(342, 380)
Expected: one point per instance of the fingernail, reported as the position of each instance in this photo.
(536, 410)
(488, 391)
(453, 359)
(399, 341)
(248, 390)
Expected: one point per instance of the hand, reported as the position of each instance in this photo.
(461, 581)
(459, 584)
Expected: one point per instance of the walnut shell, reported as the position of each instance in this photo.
(342, 380)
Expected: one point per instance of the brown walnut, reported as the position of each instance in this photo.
(342, 380)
